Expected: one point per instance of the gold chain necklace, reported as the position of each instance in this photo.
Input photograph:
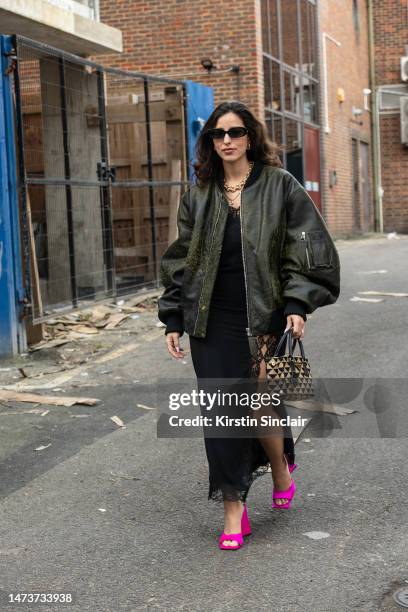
(232, 199)
(241, 184)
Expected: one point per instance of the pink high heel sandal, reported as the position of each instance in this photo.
(238, 537)
(288, 494)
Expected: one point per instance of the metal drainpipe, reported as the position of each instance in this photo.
(375, 125)
(324, 183)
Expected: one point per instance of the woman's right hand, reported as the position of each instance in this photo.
(173, 345)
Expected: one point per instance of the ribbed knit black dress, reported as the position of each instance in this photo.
(226, 353)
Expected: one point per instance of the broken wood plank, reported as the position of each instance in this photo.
(35, 398)
(50, 343)
(118, 421)
(361, 299)
(386, 293)
(31, 411)
(174, 200)
(115, 319)
(143, 296)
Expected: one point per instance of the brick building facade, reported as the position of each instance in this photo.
(345, 122)
(170, 38)
(317, 53)
(391, 43)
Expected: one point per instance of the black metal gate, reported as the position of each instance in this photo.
(102, 158)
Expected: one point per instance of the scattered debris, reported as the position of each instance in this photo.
(393, 236)
(31, 411)
(118, 421)
(143, 296)
(40, 448)
(387, 293)
(115, 319)
(124, 476)
(71, 373)
(15, 396)
(360, 299)
(317, 535)
(102, 509)
(145, 407)
(66, 328)
(374, 272)
(50, 343)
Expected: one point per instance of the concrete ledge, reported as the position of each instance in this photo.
(46, 23)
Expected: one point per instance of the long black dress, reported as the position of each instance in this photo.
(226, 352)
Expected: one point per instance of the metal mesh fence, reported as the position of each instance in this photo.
(102, 165)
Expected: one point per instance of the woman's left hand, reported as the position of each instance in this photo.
(297, 323)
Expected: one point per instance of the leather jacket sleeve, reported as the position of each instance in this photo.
(310, 264)
(172, 270)
(294, 307)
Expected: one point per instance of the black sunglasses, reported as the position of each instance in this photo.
(234, 132)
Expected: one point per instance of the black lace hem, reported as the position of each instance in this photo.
(219, 493)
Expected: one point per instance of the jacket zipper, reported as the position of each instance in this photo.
(206, 269)
(303, 237)
(248, 330)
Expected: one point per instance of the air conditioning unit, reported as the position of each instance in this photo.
(404, 68)
(404, 119)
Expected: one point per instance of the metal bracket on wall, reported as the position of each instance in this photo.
(105, 172)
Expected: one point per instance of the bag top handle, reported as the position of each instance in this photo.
(291, 342)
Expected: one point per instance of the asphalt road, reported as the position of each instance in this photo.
(120, 518)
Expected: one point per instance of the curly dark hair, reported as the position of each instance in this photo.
(208, 166)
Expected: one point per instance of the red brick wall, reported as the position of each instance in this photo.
(170, 38)
(391, 36)
(347, 68)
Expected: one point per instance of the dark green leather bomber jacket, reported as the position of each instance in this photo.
(288, 253)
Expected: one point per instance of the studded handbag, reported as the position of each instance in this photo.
(289, 375)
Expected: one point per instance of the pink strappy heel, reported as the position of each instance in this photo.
(238, 537)
(288, 494)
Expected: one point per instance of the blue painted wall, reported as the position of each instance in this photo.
(12, 332)
(200, 104)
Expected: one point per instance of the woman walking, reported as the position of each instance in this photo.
(253, 257)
